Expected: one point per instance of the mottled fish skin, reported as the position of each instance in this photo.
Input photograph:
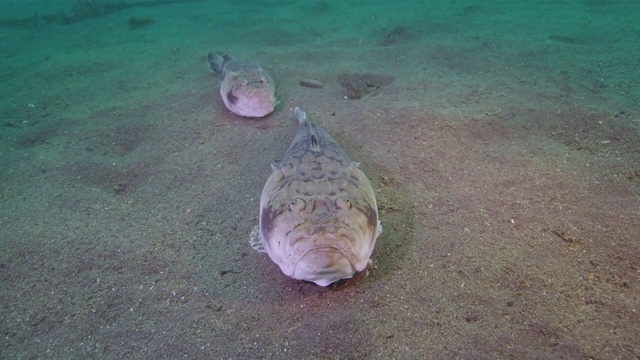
(246, 89)
(318, 212)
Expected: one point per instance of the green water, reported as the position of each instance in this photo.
(502, 139)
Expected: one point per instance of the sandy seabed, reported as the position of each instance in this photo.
(502, 139)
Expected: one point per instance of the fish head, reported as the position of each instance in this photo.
(248, 91)
(320, 238)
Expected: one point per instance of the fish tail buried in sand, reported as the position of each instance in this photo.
(318, 212)
(246, 89)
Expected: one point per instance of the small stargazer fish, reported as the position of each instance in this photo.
(246, 89)
(318, 212)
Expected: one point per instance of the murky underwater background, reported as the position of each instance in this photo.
(502, 139)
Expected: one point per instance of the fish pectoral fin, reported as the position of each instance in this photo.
(277, 174)
(379, 227)
(256, 240)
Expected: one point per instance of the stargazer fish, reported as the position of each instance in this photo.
(246, 89)
(318, 212)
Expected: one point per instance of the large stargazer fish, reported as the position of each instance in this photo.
(318, 212)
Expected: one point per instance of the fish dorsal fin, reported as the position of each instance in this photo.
(314, 143)
(300, 115)
(311, 130)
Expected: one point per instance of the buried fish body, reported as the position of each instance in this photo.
(246, 89)
(318, 212)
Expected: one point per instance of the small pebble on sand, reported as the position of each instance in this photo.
(311, 83)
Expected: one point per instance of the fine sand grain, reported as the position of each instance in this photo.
(502, 139)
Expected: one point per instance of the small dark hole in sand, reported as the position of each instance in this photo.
(567, 39)
(357, 86)
(398, 34)
(120, 188)
(137, 22)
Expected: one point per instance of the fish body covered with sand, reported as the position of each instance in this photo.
(246, 89)
(318, 212)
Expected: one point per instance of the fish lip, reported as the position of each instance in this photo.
(319, 276)
(343, 233)
(348, 251)
(324, 249)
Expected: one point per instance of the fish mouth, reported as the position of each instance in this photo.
(325, 258)
(326, 234)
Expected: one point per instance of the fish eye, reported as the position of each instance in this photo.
(343, 203)
(297, 205)
(232, 98)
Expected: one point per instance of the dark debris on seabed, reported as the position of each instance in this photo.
(88, 9)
